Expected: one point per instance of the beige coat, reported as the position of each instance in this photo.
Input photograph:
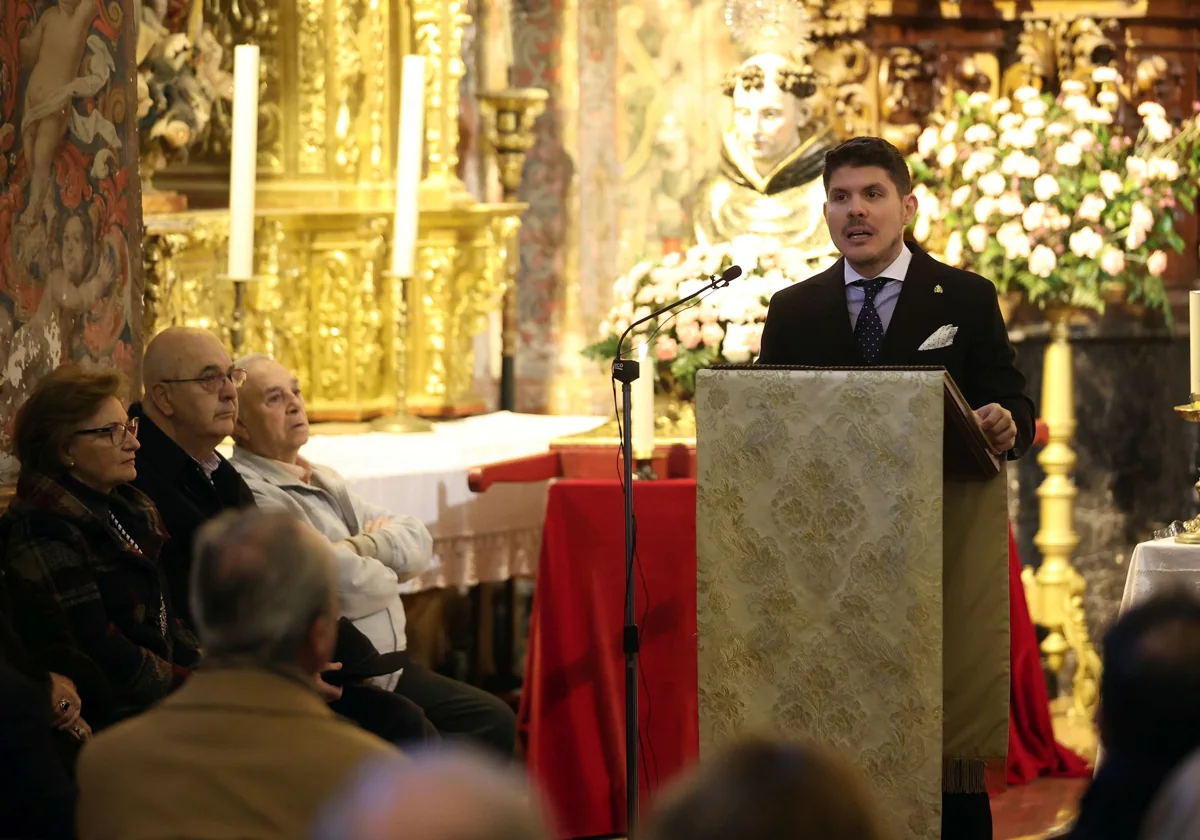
(238, 753)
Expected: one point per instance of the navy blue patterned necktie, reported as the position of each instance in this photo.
(868, 329)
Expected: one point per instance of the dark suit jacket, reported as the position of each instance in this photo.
(185, 499)
(808, 324)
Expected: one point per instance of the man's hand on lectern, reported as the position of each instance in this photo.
(998, 427)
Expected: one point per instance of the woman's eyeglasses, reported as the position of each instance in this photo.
(212, 382)
(118, 433)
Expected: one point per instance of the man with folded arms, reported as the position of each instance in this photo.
(377, 549)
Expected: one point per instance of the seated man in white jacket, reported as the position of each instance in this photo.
(376, 549)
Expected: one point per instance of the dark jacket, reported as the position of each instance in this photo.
(58, 541)
(185, 498)
(808, 324)
(37, 797)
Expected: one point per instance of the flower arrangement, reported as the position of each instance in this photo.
(723, 327)
(1050, 195)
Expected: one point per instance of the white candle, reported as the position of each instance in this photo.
(243, 159)
(410, 152)
(1194, 335)
(643, 405)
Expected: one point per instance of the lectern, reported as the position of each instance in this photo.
(852, 576)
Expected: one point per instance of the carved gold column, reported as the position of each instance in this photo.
(438, 35)
(1055, 591)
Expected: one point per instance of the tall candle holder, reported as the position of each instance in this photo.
(509, 116)
(237, 322)
(400, 421)
(1190, 533)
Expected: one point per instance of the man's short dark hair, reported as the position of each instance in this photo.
(869, 151)
(1150, 691)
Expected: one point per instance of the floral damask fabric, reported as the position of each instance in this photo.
(819, 579)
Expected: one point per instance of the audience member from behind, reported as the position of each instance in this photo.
(81, 548)
(767, 790)
(248, 747)
(441, 794)
(189, 408)
(1175, 814)
(1149, 717)
(376, 548)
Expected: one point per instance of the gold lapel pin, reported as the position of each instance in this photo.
(937, 290)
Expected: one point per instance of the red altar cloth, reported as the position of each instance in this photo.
(573, 707)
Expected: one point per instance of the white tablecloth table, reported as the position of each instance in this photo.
(1158, 566)
(484, 537)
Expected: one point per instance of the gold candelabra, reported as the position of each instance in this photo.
(400, 421)
(509, 116)
(1190, 535)
(1055, 591)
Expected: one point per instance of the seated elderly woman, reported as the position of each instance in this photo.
(86, 544)
(376, 549)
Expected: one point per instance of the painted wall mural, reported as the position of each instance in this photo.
(70, 217)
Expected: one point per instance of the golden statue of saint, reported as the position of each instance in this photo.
(769, 180)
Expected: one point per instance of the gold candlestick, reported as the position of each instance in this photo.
(1191, 529)
(400, 421)
(509, 116)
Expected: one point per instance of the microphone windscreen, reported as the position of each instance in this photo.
(731, 273)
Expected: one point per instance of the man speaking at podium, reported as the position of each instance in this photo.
(886, 302)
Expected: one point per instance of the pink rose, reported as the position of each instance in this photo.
(667, 350)
(712, 334)
(688, 335)
(1156, 263)
(1112, 261)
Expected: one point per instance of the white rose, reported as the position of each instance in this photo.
(1105, 74)
(1025, 94)
(1017, 245)
(1097, 115)
(947, 155)
(1068, 154)
(977, 238)
(1031, 167)
(1092, 207)
(1009, 121)
(1112, 261)
(1010, 204)
(1085, 243)
(1025, 139)
(1034, 216)
(1011, 164)
(979, 133)
(949, 132)
(992, 184)
(984, 208)
(1083, 138)
(1156, 264)
(959, 197)
(1164, 168)
(1058, 129)
(1042, 261)
(927, 142)
(1001, 106)
(954, 249)
(1076, 103)
(1045, 187)
(1072, 86)
(1135, 238)
(1034, 107)
(976, 164)
(1152, 109)
(922, 228)
(1108, 98)
(1137, 169)
(1110, 183)
(1141, 217)
(1033, 125)
(979, 98)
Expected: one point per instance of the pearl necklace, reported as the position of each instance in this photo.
(162, 604)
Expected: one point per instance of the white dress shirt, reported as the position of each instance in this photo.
(885, 301)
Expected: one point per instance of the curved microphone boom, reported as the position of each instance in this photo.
(626, 371)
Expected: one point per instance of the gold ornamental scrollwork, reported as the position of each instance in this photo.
(438, 35)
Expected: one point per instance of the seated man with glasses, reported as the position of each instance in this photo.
(190, 407)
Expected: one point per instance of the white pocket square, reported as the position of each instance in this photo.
(942, 337)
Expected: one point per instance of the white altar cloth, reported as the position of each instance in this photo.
(484, 537)
(1158, 566)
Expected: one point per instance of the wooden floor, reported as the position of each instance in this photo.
(1036, 809)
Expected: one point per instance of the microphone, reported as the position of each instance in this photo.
(714, 282)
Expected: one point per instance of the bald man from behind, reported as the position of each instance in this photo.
(189, 407)
(437, 794)
(247, 748)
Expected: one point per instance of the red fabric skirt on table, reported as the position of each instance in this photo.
(572, 713)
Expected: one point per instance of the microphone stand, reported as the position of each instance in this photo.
(626, 371)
